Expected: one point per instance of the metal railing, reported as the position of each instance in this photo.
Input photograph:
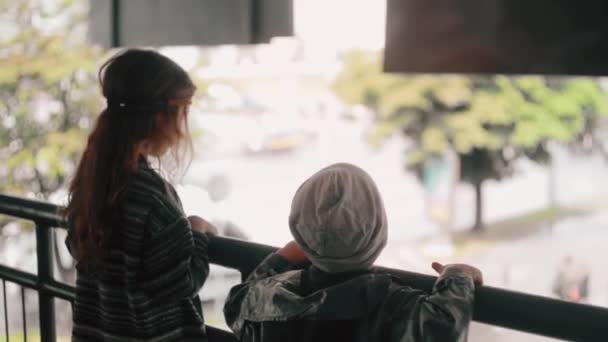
(46, 217)
(507, 309)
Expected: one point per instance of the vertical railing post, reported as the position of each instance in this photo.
(46, 303)
(24, 314)
(6, 329)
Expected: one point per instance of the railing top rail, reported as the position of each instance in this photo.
(41, 212)
(509, 309)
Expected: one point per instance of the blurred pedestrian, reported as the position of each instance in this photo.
(572, 281)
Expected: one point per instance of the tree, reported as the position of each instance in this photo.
(48, 94)
(48, 98)
(489, 122)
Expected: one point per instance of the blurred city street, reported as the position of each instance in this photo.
(262, 186)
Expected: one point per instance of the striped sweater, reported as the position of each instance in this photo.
(146, 287)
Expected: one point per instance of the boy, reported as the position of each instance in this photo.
(340, 228)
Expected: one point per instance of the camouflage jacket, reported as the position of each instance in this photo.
(280, 303)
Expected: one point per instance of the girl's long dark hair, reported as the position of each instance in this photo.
(141, 88)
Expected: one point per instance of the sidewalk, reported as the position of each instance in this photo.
(466, 242)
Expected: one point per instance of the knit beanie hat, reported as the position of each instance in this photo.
(338, 219)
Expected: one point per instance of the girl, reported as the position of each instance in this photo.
(140, 260)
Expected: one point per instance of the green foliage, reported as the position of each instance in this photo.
(48, 93)
(488, 121)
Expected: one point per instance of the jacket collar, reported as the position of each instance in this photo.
(313, 294)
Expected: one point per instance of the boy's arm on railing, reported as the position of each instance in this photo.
(273, 264)
(443, 315)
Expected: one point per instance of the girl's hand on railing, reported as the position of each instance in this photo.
(472, 271)
(293, 253)
(201, 225)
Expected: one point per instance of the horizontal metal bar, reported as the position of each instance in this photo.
(238, 254)
(41, 212)
(31, 281)
(508, 309)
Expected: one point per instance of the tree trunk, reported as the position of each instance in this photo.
(478, 226)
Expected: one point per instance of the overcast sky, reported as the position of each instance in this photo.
(341, 24)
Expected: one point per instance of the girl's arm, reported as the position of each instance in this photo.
(174, 258)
